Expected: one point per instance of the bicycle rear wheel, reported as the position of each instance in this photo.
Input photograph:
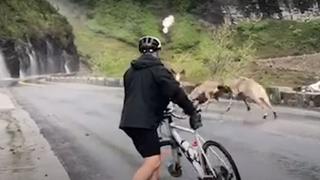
(221, 162)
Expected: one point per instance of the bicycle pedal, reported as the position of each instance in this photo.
(175, 170)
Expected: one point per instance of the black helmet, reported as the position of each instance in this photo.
(149, 44)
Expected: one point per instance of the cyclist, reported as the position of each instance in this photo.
(148, 89)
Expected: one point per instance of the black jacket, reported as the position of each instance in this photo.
(149, 87)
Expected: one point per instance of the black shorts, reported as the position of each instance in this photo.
(146, 141)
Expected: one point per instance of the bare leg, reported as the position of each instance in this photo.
(156, 175)
(148, 168)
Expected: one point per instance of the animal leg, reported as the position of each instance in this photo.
(196, 103)
(244, 98)
(275, 115)
(208, 100)
(208, 103)
(262, 105)
(205, 105)
(269, 107)
(265, 115)
(247, 104)
(230, 103)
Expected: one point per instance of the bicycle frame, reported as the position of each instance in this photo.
(194, 156)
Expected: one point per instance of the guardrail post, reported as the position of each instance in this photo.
(316, 100)
(274, 95)
(300, 100)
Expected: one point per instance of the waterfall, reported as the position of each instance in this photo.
(67, 69)
(4, 73)
(33, 62)
(22, 74)
(51, 67)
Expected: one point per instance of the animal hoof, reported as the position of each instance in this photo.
(275, 116)
(264, 117)
(248, 108)
(227, 110)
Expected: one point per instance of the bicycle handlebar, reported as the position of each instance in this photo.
(178, 116)
(170, 111)
(169, 115)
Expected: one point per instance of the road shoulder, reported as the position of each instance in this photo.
(24, 152)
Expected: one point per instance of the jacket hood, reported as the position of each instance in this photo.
(146, 61)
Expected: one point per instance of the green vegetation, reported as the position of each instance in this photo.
(124, 21)
(108, 56)
(32, 18)
(274, 38)
(109, 34)
(113, 28)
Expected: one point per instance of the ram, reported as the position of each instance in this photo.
(247, 89)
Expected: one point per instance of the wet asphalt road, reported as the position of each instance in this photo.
(81, 124)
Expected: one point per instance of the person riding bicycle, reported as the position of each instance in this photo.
(148, 89)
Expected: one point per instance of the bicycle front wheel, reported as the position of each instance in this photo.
(219, 160)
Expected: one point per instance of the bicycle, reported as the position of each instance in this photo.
(197, 152)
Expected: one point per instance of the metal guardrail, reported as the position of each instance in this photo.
(278, 95)
(289, 97)
(8, 82)
(101, 81)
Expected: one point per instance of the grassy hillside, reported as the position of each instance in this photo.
(113, 27)
(32, 18)
(274, 38)
(107, 56)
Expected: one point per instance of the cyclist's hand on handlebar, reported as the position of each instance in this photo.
(195, 120)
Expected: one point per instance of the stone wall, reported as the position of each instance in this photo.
(278, 95)
(287, 96)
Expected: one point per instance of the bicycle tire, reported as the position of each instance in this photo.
(235, 170)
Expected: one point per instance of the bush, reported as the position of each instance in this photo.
(222, 57)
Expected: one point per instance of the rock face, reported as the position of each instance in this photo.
(34, 56)
(233, 11)
(35, 39)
